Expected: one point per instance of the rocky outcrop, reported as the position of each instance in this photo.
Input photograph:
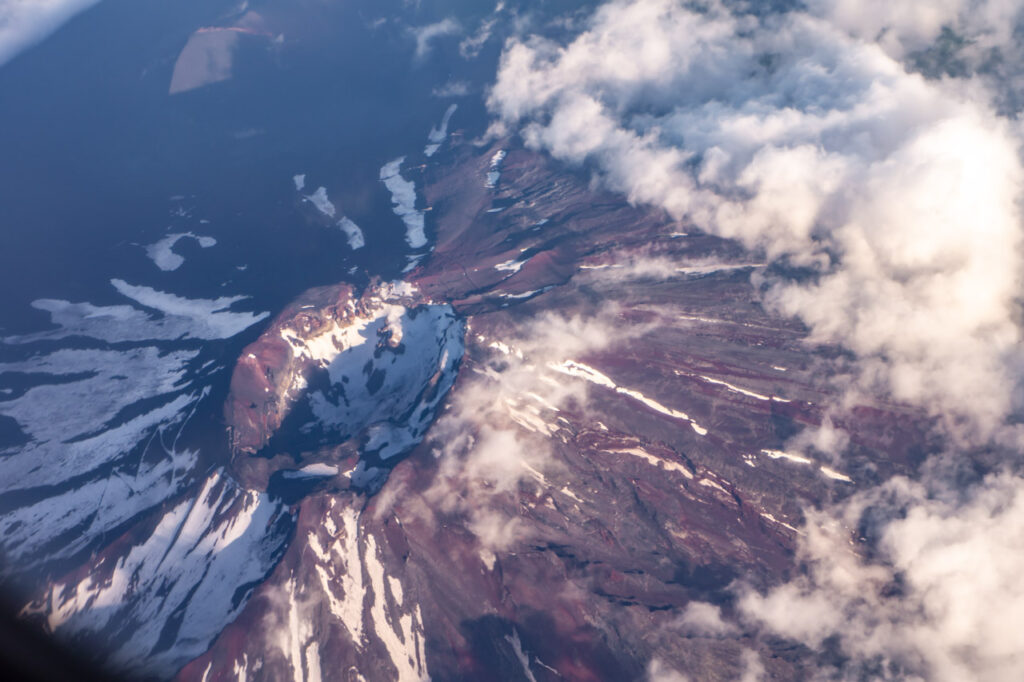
(612, 453)
(337, 368)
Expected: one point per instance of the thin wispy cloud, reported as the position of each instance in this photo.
(425, 36)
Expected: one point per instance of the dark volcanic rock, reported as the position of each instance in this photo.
(268, 369)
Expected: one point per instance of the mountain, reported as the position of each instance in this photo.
(635, 340)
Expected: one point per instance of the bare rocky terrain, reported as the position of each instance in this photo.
(611, 451)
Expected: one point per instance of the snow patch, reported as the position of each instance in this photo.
(511, 265)
(113, 453)
(403, 199)
(835, 475)
(88, 431)
(494, 169)
(525, 294)
(779, 454)
(162, 252)
(582, 371)
(769, 517)
(656, 461)
(341, 567)
(96, 393)
(437, 135)
(517, 649)
(318, 470)
(352, 233)
(197, 318)
(800, 459)
(181, 582)
(401, 633)
(505, 349)
(322, 203)
(313, 673)
(391, 391)
(87, 511)
(569, 493)
(119, 323)
(742, 391)
(708, 483)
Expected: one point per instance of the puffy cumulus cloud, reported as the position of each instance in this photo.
(942, 600)
(960, 38)
(896, 195)
(23, 23)
(701, 619)
(824, 440)
(905, 26)
(892, 201)
(659, 671)
(753, 668)
(496, 530)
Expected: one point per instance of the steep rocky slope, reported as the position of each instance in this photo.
(610, 455)
(336, 368)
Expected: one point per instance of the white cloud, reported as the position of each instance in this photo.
(753, 668)
(899, 194)
(23, 23)
(704, 620)
(470, 46)
(904, 26)
(658, 671)
(452, 89)
(496, 433)
(942, 601)
(809, 137)
(425, 35)
(962, 38)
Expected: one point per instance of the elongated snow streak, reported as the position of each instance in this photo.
(353, 234)
(743, 391)
(655, 461)
(403, 198)
(828, 472)
(207, 318)
(187, 572)
(494, 170)
(437, 135)
(579, 370)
